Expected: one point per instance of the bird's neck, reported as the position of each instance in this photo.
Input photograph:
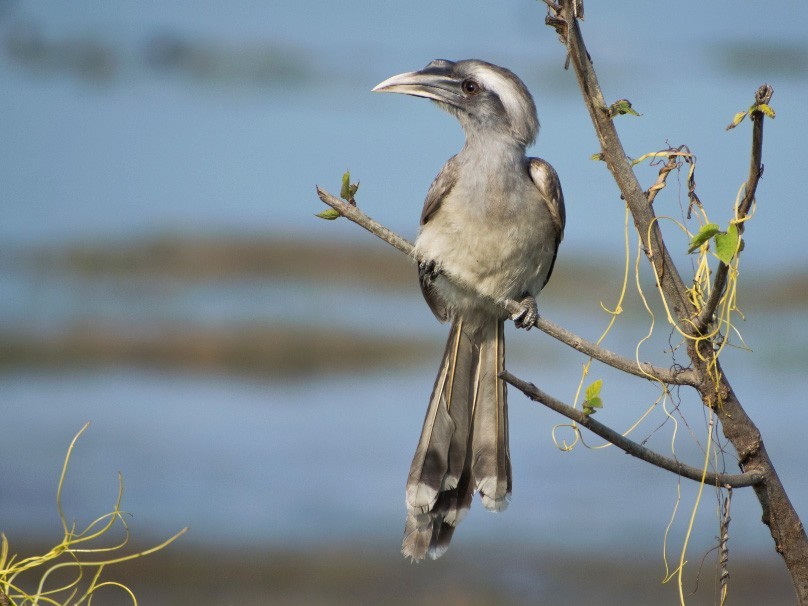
(493, 148)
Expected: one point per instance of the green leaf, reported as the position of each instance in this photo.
(726, 243)
(592, 397)
(704, 234)
(593, 391)
(765, 109)
(597, 156)
(737, 120)
(591, 406)
(329, 214)
(345, 190)
(621, 108)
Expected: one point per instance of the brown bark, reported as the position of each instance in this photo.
(778, 513)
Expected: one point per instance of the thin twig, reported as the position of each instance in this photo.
(644, 370)
(723, 541)
(708, 311)
(763, 95)
(627, 445)
(357, 216)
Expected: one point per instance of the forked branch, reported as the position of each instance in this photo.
(629, 446)
(628, 365)
(762, 97)
(787, 530)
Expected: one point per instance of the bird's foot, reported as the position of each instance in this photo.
(427, 272)
(528, 315)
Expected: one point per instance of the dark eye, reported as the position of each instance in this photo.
(470, 87)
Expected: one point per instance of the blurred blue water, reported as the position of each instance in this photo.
(244, 462)
(325, 459)
(136, 152)
(153, 149)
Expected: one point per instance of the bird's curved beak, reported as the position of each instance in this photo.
(432, 82)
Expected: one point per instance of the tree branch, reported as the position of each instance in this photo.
(708, 311)
(349, 211)
(617, 161)
(787, 530)
(706, 375)
(644, 370)
(684, 376)
(629, 446)
(762, 96)
(628, 365)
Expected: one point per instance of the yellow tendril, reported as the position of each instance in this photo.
(66, 555)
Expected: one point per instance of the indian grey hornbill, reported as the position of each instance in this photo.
(490, 229)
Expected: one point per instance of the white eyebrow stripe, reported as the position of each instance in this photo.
(511, 99)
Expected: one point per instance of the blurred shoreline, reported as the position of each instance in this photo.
(469, 575)
(295, 345)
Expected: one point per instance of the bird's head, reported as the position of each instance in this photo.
(488, 100)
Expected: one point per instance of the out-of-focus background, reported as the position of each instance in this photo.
(261, 375)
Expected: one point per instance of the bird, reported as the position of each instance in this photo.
(490, 230)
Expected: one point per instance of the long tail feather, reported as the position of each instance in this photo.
(490, 459)
(451, 461)
(431, 461)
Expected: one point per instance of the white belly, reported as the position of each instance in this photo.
(502, 250)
